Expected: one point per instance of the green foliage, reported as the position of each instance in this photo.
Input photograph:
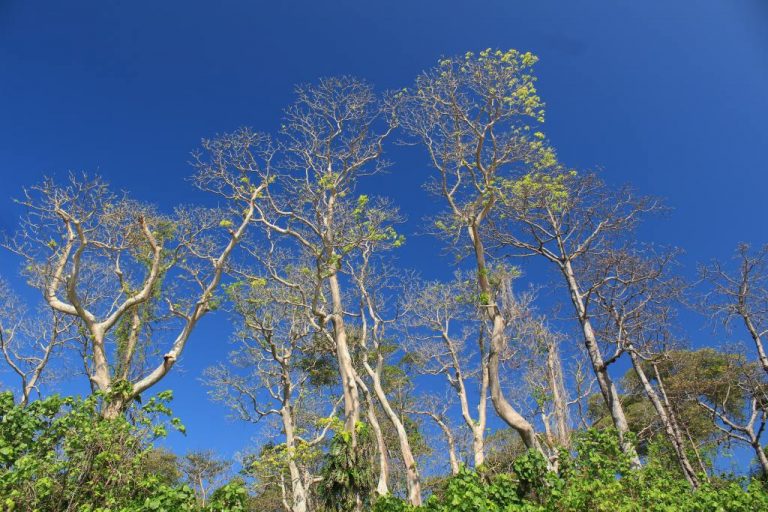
(231, 497)
(59, 453)
(348, 475)
(596, 477)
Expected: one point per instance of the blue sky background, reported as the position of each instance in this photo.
(671, 97)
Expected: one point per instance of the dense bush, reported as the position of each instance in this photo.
(595, 478)
(60, 454)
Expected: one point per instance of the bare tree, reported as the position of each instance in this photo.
(735, 394)
(103, 258)
(203, 471)
(332, 135)
(741, 294)
(28, 343)
(545, 378)
(269, 373)
(372, 284)
(443, 317)
(436, 410)
(565, 217)
(476, 116)
(636, 301)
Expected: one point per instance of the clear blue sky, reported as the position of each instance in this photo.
(669, 96)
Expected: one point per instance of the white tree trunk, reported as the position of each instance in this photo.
(607, 387)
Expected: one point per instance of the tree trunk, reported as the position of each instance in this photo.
(112, 409)
(346, 370)
(761, 457)
(476, 427)
(452, 459)
(761, 355)
(502, 406)
(607, 387)
(299, 501)
(665, 417)
(382, 487)
(559, 404)
(412, 479)
(504, 409)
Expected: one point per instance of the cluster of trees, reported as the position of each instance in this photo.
(358, 370)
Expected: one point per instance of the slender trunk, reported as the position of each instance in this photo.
(665, 417)
(675, 425)
(346, 370)
(382, 487)
(299, 502)
(454, 461)
(202, 490)
(699, 459)
(412, 479)
(754, 437)
(28, 386)
(761, 355)
(478, 432)
(560, 407)
(761, 456)
(476, 427)
(504, 409)
(502, 406)
(607, 387)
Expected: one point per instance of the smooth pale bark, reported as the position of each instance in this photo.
(760, 452)
(754, 334)
(606, 384)
(299, 501)
(449, 439)
(476, 427)
(346, 370)
(382, 487)
(666, 417)
(412, 478)
(452, 458)
(557, 388)
(746, 432)
(101, 376)
(504, 409)
(202, 305)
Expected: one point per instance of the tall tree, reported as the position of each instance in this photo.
(476, 116)
(269, 373)
(636, 301)
(331, 136)
(447, 337)
(566, 217)
(107, 261)
(373, 285)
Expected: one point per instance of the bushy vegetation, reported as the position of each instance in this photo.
(595, 477)
(59, 453)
